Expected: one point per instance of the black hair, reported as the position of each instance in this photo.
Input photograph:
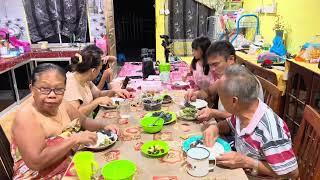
(91, 58)
(46, 67)
(201, 43)
(221, 48)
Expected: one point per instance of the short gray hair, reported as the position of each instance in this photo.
(240, 82)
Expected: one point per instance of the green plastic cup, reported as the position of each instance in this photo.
(85, 165)
(164, 67)
(119, 170)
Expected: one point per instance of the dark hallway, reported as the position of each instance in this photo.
(134, 27)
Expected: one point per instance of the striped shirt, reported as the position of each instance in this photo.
(266, 138)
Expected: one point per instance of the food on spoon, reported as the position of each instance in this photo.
(155, 150)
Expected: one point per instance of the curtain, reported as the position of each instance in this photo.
(187, 20)
(48, 18)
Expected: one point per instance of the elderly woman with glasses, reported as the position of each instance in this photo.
(46, 129)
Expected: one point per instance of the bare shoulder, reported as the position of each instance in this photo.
(25, 117)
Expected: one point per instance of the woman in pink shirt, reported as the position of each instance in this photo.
(199, 67)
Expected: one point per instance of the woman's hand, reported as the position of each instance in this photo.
(105, 100)
(123, 93)
(233, 160)
(210, 135)
(85, 137)
(107, 73)
(113, 128)
(109, 59)
(205, 114)
(191, 95)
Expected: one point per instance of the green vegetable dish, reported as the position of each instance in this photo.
(167, 117)
(155, 149)
(188, 113)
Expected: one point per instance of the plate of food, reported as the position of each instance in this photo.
(105, 138)
(198, 104)
(188, 113)
(166, 99)
(155, 148)
(181, 84)
(152, 104)
(168, 117)
(115, 103)
(220, 147)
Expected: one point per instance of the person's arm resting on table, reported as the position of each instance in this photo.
(33, 147)
(88, 123)
(270, 167)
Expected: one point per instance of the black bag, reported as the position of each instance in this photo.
(147, 67)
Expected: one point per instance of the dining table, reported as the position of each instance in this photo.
(171, 166)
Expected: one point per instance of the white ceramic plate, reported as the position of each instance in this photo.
(199, 103)
(181, 84)
(153, 78)
(114, 106)
(101, 138)
(120, 100)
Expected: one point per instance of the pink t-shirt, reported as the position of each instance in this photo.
(202, 80)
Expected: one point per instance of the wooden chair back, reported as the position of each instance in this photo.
(307, 145)
(272, 95)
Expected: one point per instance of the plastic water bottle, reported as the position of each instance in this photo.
(164, 69)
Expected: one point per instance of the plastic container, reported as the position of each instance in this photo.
(119, 170)
(147, 124)
(151, 104)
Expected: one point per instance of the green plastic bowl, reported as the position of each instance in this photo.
(119, 170)
(147, 121)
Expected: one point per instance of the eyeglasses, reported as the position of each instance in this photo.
(47, 91)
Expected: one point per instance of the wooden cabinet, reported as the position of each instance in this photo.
(302, 88)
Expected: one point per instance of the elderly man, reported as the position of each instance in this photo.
(220, 54)
(262, 139)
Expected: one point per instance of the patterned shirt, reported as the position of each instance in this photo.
(266, 138)
(201, 80)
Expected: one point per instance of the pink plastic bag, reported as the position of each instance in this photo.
(103, 44)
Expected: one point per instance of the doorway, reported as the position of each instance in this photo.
(134, 27)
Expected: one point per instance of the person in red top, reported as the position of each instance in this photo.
(262, 139)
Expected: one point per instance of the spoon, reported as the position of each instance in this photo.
(154, 123)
